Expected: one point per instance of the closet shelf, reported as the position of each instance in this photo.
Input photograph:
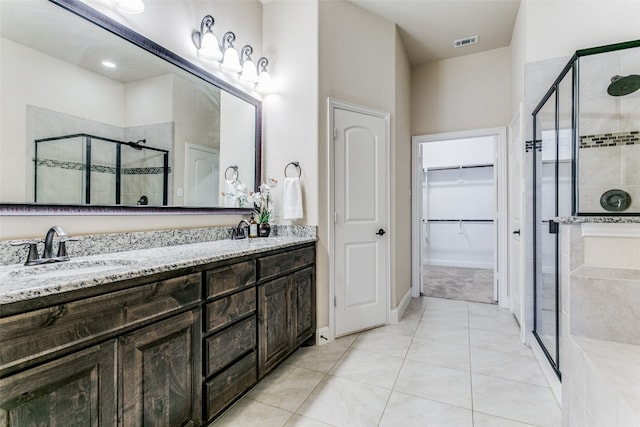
(444, 168)
(459, 220)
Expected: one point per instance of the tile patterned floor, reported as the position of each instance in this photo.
(446, 363)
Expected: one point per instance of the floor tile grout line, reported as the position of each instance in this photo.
(473, 418)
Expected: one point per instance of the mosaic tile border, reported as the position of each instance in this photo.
(50, 163)
(610, 139)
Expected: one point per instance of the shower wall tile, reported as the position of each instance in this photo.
(600, 167)
(609, 161)
(614, 321)
(596, 72)
(599, 115)
(630, 110)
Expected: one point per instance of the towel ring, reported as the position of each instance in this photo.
(235, 172)
(297, 165)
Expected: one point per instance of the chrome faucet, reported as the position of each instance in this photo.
(48, 243)
(239, 232)
(47, 254)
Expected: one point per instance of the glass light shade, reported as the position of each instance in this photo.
(209, 48)
(131, 6)
(231, 61)
(264, 82)
(249, 73)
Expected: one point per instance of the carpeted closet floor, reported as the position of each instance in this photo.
(465, 284)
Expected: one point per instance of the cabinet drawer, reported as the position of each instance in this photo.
(230, 278)
(274, 265)
(226, 346)
(226, 310)
(29, 337)
(230, 384)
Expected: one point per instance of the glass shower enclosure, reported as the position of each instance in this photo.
(586, 157)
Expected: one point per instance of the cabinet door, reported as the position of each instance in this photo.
(75, 390)
(303, 319)
(274, 332)
(159, 373)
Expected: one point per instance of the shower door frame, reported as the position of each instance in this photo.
(535, 146)
(501, 224)
(573, 66)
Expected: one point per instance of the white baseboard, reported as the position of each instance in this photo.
(324, 336)
(396, 314)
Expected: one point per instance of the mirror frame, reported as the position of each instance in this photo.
(92, 15)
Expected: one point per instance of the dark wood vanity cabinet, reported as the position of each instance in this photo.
(129, 357)
(230, 335)
(159, 374)
(75, 390)
(286, 305)
(176, 351)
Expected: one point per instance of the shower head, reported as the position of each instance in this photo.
(136, 145)
(624, 85)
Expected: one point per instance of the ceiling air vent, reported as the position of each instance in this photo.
(466, 41)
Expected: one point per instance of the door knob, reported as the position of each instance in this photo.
(516, 232)
(381, 232)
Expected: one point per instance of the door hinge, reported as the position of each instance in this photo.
(335, 217)
(335, 133)
(335, 301)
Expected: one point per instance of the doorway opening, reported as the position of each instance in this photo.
(457, 188)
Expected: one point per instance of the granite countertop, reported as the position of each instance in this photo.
(597, 219)
(20, 283)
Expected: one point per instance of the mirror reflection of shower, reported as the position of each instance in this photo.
(89, 169)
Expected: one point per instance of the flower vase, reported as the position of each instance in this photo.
(264, 230)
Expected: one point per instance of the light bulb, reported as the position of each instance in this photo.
(264, 82)
(231, 61)
(249, 73)
(209, 48)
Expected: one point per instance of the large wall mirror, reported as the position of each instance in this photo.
(153, 134)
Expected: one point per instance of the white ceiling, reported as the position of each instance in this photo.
(429, 27)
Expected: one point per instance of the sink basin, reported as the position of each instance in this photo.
(71, 268)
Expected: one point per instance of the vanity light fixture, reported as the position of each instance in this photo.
(206, 41)
(231, 60)
(264, 79)
(249, 71)
(130, 6)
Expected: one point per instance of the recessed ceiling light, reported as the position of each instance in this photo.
(108, 64)
(131, 6)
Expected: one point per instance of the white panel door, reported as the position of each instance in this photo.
(361, 258)
(201, 180)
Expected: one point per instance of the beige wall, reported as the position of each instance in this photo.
(291, 112)
(401, 171)
(361, 63)
(463, 93)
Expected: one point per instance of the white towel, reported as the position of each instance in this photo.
(229, 190)
(292, 199)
